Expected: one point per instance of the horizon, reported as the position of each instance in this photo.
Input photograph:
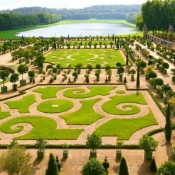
(59, 4)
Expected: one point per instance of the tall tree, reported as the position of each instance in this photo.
(123, 168)
(52, 168)
(16, 161)
(168, 129)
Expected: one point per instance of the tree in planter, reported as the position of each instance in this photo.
(168, 168)
(109, 73)
(158, 82)
(120, 72)
(173, 77)
(65, 151)
(16, 161)
(93, 167)
(75, 74)
(118, 151)
(140, 65)
(4, 74)
(168, 129)
(151, 74)
(97, 74)
(153, 166)
(52, 168)
(22, 68)
(148, 144)
(123, 168)
(13, 79)
(31, 75)
(98, 66)
(41, 148)
(93, 142)
(165, 66)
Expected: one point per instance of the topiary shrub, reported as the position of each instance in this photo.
(123, 168)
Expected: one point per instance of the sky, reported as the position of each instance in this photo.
(11, 4)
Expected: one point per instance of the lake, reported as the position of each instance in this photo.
(80, 29)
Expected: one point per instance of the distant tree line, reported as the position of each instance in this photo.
(30, 16)
(157, 15)
(12, 21)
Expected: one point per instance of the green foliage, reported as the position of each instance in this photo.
(168, 129)
(23, 104)
(4, 114)
(123, 168)
(16, 161)
(94, 91)
(49, 106)
(85, 115)
(168, 168)
(43, 127)
(117, 127)
(48, 92)
(52, 168)
(153, 166)
(4, 74)
(148, 143)
(22, 68)
(110, 106)
(93, 142)
(93, 167)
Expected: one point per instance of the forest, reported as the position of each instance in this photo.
(157, 15)
(30, 16)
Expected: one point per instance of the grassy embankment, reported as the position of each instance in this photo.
(13, 33)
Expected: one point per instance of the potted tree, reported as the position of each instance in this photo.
(41, 148)
(13, 79)
(148, 144)
(93, 142)
(65, 151)
(22, 68)
(4, 74)
(118, 151)
(31, 75)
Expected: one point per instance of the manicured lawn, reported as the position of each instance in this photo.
(94, 90)
(110, 106)
(125, 128)
(65, 57)
(85, 115)
(55, 106)
(48, 92)
(23, 104)
(4, 114)
(42, 127)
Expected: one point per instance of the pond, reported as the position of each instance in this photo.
(80, 29)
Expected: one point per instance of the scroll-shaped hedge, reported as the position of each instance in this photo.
(94, 91)
(125, 102)
(85, 115)
(44, 127)
(48, 92)
(23, 104)
(125, 128)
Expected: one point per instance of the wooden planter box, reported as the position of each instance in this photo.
(65, 154)
(22, 82)
(148, 154)
(118, 154)
(40, 154)
(93, 154)
(4, 89)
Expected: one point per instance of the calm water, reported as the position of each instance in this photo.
(83, 29)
